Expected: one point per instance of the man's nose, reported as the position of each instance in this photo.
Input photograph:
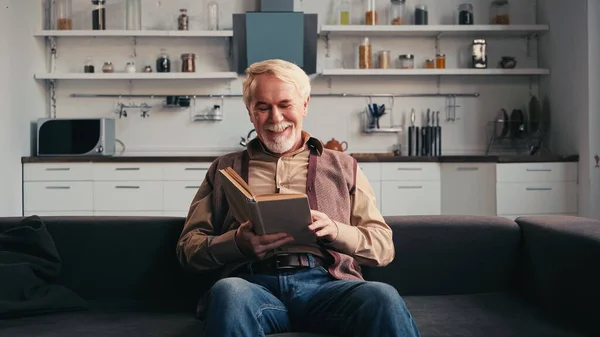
(276, 115)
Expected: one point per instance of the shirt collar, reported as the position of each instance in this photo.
(256, 147)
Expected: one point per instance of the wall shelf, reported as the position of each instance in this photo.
(134, 33)
(136, 76)
(479, 31)
(435, 72)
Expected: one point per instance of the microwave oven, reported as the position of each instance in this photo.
(76, 137)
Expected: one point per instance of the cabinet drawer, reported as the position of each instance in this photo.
(523, 172)
(127, 172)
(128, 196)
(186, 171)
(178, 195)
(58, 196)
(57, 172)
(469, 189)
(371, 170)
(410, 171)
(536, 198)
(410, 198)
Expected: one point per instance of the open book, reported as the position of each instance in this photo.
(269, 213)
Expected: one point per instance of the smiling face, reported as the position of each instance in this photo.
(277, 109)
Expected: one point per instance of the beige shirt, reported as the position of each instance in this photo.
(367, 238)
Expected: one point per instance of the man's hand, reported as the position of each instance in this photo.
(323, 227)
(257, 246)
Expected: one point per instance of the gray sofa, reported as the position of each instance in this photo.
(459, 275)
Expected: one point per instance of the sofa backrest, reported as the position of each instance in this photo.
(439, 255)
(125, 258)
(133, 258)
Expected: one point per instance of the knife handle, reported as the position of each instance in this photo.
(417, 136)
(410, 140)
(439, 140)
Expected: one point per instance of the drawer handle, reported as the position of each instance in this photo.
(127, 187)
(192, 187)
(410, 187)
(539, 188)
(58, 187)
(410, 169)
(127, 169)
(468, 169)
(58, 169)
(539, 170)
(194, 169)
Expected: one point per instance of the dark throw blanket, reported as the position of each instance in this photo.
(29, 264)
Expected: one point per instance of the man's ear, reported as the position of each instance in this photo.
(306, 105)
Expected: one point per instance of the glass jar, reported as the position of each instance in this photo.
(421, 15)
(407, 61)
(479, 54)
(212, 11)
(344, 13)
(371, 15)
(188, 63)
(88, 66)
(148, 69)
(130, 67)
(500, 12)
(397, 12)
(365, 56)
(63, 13)
(183, 20)
(429, 64)
(107, 67)
(163, 62)
(99, 15)
(384, 59)
(133, 14)
(440, 61)
(465, 14)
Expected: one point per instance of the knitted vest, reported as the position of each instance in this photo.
(329, 185)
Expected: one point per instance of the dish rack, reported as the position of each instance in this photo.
(506, 138)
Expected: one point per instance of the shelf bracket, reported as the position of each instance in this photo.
(329, 82)
(52, 84)
(437, 42)
(327, 46)
(528, 41)
(135, 46)
(53, 53)
(439, 84)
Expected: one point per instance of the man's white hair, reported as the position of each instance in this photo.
(283, 70)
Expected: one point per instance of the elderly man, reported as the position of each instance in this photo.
(268, 284)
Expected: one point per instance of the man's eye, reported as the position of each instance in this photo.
(287, 106)
(263, 108)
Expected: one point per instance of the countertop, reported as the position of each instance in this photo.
(360, 158)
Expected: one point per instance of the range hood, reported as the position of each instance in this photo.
(275, 32)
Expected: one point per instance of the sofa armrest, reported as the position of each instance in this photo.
(561, 266)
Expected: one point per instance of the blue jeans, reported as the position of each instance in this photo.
(307, 300)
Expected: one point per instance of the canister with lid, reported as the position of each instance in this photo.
(384, 59)
(365, 55)
(479, 54)
(407, 61)
(188, 63)
(397, 12)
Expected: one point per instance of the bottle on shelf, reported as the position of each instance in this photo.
(465, 14)
(88, 66)
(500, 12)
(133, 19)
(183, 21)
(63, 14)
(397, 12)
(365, 55)
(99, 15)
(344, 12)
(371, 15)
(421, 15)
(212, 11)
(163, 62)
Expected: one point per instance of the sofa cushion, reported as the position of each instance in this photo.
(481, 315)
(115, 319)
(445, 255)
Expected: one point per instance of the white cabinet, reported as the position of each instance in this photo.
(536, 189)
(43, 196)
(373, 173)
(410, 189)
(128, 196)
(469, 189)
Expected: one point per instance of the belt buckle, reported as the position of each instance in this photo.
(277, 266)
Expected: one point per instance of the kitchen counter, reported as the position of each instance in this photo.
(360, 158)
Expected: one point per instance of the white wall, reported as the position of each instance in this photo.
(171, 131)
(593, 126)
(22, 98)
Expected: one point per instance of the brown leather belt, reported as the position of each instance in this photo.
(286, 261)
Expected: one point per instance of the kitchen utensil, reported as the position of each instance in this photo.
(333, 144)
(411, 133)
(535, 114)
(501, 124)
(433, 134)
(517, 124)
(508, 62)
(439, 134)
